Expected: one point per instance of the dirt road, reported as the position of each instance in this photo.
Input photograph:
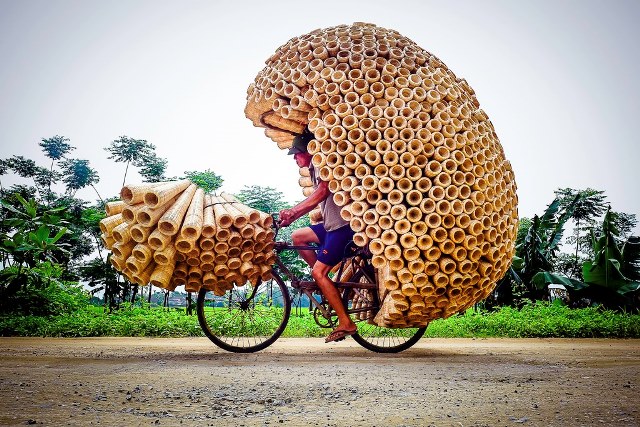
(304, 382)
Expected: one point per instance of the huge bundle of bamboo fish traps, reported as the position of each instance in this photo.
(410, 157)
(172, 234)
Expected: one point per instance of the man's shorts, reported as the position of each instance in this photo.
(332, 243)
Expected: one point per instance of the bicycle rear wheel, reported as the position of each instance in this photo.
(244, 321)
(371, 336)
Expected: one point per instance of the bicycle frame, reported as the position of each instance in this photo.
(359, 294)
(309, 287)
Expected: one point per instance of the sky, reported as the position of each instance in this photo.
(557, 78)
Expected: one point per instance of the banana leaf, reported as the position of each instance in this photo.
(545, 278)
(631, 258)
(517, 263)
(608, 275)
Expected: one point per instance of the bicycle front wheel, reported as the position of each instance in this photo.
(369, 335)
(244, 321)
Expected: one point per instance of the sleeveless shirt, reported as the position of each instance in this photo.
(330, 211)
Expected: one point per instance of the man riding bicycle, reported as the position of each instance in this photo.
(332, 236)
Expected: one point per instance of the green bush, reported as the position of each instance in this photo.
(539, 319)
(533, 320)
(39, 291)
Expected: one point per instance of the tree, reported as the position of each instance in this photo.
(207, 180)
(265, 199)
(624, 223)
(101, 276)
(128, 150)
(153, 169)
(55, 148)
(4, 168)
(78, 174)
(27, 168)
(588, 205)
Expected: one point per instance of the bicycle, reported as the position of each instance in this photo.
(250, 318)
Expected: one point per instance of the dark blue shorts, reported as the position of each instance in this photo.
(332, 243)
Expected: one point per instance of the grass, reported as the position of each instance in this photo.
(536, 320)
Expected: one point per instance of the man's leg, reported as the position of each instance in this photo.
(302, 237)
(320, 274)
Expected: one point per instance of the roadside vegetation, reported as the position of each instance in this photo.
(542, 319)
(56, 278)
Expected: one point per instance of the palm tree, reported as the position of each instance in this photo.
(129, 150)
(588, 204)
(55, 148)
(78, 174)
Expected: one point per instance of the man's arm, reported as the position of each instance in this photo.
(287, 216)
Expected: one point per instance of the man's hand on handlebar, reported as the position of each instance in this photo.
(287, 216)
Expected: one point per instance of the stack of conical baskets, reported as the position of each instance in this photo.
(172, 234)
(410, 157)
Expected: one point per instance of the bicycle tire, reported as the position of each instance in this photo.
(232, 326)
(376, 338)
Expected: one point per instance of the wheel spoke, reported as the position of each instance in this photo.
(244, 325)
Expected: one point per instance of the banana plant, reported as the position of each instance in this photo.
(612, 277)
(537, 250)
(608, 268)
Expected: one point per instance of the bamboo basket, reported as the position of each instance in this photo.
(412, 160)
(187, 238)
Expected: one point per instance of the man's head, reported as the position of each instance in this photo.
(299, 148)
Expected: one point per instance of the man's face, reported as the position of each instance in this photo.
(302, 159)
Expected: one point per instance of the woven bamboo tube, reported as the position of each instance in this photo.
(235, 239)
(107, 241)
(142, 278)
(181, 270)
(209, 280)
(194, 218)
(114, 208)
(122, 234)
(254, 216)
(149, 217)
(247, 254)
(161, 275)
(240, 219)
(117, 262)
(139, 233)
(206, 243)
(165, 256)
(132, 194)
(137, 265)
(208, 218)
(142, 253)
(194, 272)
(234, 263)
(395, 196)
(157, 196)
(180, 257)
(193, 286)
(392, 252)
(109, 223)
(123, 250)
(184, 245)
(170, 221)
(159, 241)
